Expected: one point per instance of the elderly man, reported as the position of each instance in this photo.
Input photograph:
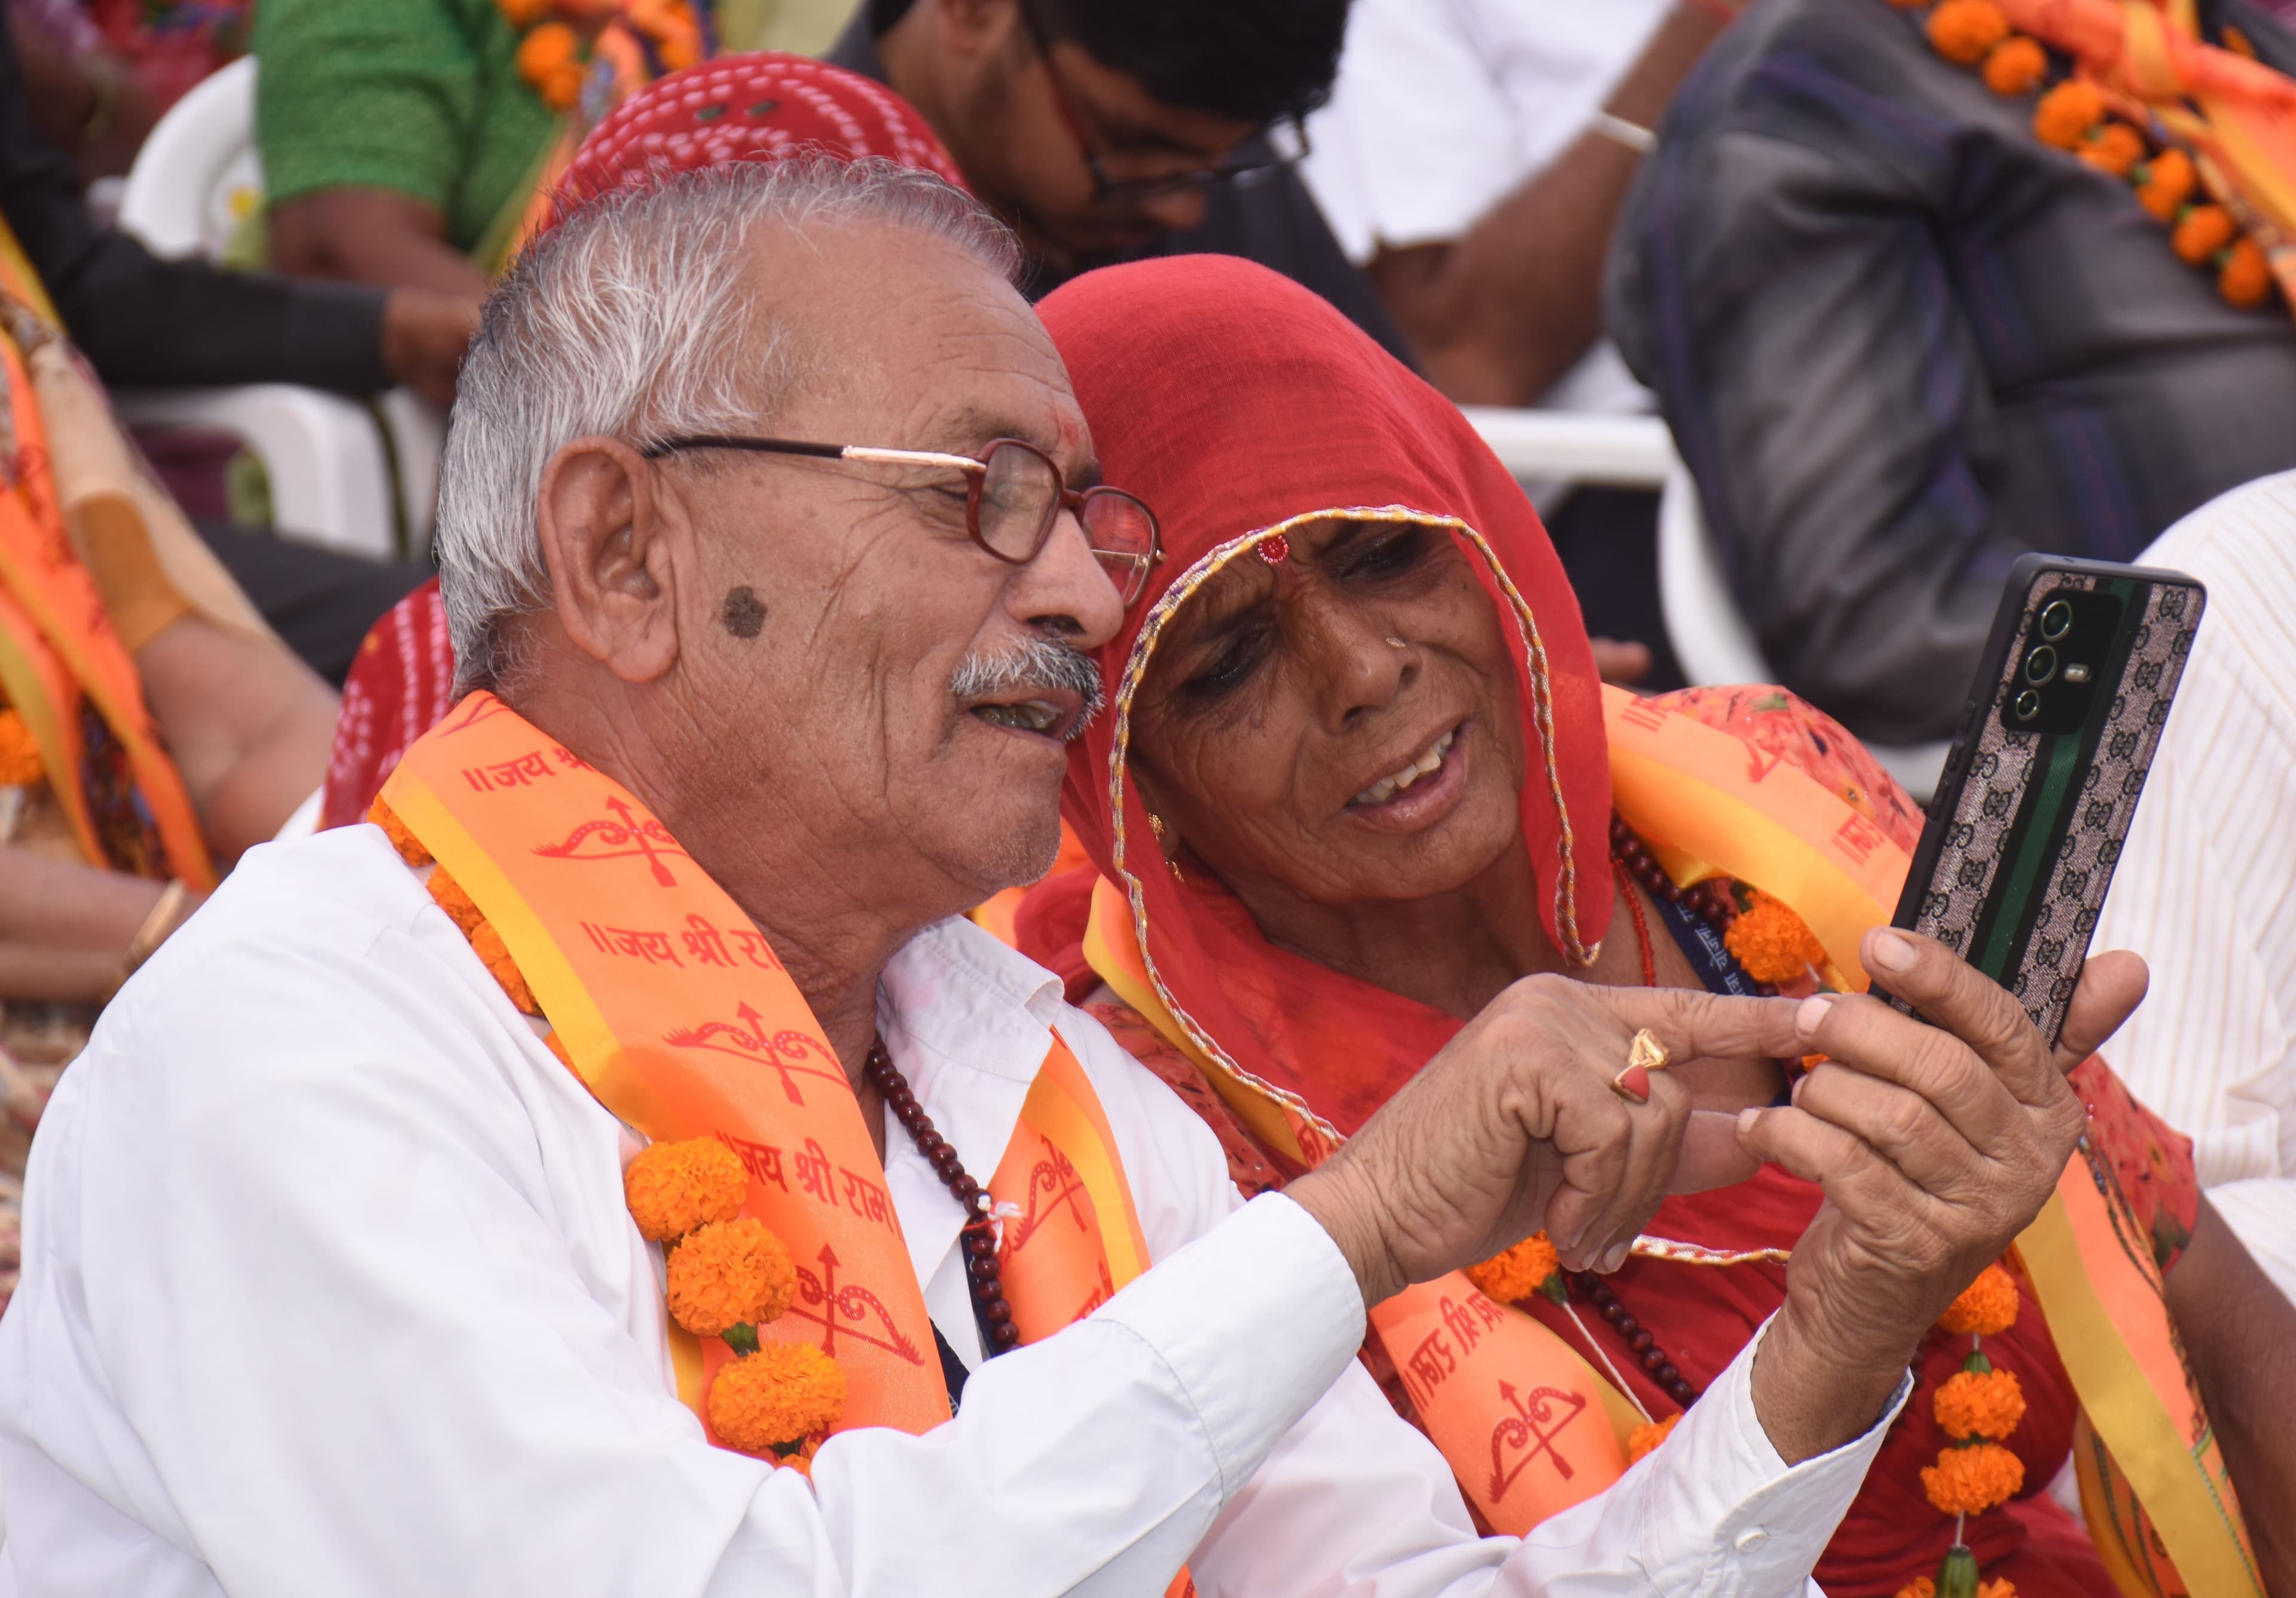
(334, 1282)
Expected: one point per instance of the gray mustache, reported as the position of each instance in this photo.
(1032, 664)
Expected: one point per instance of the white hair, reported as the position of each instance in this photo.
(633, 318)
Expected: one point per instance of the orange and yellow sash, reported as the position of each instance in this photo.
(1527, 1426)
(58, 648)
(1709, 805)
(672, 1009)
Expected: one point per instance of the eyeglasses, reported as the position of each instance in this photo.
(1275, 147)
(1015, 494)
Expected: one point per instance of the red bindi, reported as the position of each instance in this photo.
(1276, 550)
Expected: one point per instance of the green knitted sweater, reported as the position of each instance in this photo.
(419, 95)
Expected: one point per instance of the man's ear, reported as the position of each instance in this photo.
(610, 534)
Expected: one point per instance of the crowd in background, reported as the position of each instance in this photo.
(1914, 291)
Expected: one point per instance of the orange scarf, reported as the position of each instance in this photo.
(60, 653)
(671, 1008)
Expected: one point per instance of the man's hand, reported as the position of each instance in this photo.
(423, 336)
(1513, 1128)
(1936, 1145)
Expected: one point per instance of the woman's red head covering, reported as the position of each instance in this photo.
(761, 106)
(757, 107)
(1237, 403)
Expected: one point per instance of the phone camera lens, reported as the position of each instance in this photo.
(2041, 665)
(2027, 706)
(2056, 619)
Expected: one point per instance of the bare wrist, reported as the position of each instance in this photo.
(1812, 1394)
(1344, 1208)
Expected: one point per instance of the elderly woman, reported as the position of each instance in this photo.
(1358, 776)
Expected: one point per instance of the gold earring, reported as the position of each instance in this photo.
(1156, 825)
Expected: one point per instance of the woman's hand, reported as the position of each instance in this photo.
(1935, 1144)
(1513, 1128)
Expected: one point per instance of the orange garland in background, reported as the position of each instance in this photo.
(1977, 1406)
(554, 53)
(2074, 116)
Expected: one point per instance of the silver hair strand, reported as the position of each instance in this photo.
(630, 319)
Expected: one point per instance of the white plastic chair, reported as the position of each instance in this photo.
(1712, 640)
(197, 178)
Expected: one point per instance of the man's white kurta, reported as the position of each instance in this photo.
(329, 1288)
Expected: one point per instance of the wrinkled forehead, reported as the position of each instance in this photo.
(899, 340)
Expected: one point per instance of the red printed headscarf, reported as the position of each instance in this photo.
(756, 107)
(1237, 403)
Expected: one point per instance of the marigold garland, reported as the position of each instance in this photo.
(2074, 116)
(1923, 1586)
(778, 1397)
(727, 1274)
(1518, 1273)
(673, 1188)
(1774, 944)
(1986, 1307)
(1972, 1479)
(20, 765)
(410, 847)
(559, 44)
(1647, 1437)
(1980, 1404)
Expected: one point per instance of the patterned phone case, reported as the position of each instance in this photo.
(2017, 872)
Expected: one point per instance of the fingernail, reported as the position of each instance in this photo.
(1811, 1013)
(1616, 1258)
(1891, 950)
(1793, 1093)
(1747, 1120)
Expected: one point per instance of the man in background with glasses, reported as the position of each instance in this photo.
(1108, 130)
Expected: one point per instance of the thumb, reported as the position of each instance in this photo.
(2112, 986)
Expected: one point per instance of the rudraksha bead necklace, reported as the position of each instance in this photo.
(983, 1274)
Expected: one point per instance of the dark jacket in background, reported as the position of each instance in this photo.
(144, 321)
(1901, 342)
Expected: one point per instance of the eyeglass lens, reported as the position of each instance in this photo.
(1020, 500)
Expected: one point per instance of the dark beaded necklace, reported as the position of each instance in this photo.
(998, 1335)
(1637, 865)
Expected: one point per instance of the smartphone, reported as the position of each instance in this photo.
(2039, 789)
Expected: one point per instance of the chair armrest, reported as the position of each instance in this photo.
(329, 474)
(1580, 447)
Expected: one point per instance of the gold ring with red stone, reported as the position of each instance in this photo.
(1645, 1055)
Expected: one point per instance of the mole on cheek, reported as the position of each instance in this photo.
(744, 615)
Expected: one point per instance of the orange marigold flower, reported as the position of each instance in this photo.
(2168, 180)
(2016, 66)
(1641, 1439)
(1980, 1404)
(522, 15)
(2202, 232)
(2067, 112)
(673, 1188)
(1516, 1272)
(678, 1188)
(494, 954)
(1972, 1479)
(1986, 1307)
(2237, 42)
(20, 765)
(2246, 279)
(460, 907)
(545, 52)
(2116, 148)
(728, 1272)
(561, 86)
(1772, 942)
(783, 1393)
(678, 50)
(410, 847)
(1965, 31)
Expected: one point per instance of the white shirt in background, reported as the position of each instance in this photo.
(1443, 108)
(329, 1287)
(2206, 887)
